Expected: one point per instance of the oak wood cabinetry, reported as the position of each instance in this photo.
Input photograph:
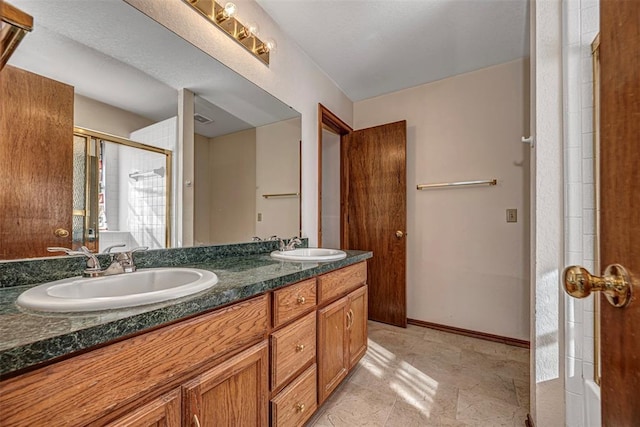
(293, 355)
(118, 380)
(231, 394)
(231, 366)
(161, 412)
(342, 326)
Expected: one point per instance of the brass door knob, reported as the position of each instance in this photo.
(61, 232)
(399, 234)
(615, 284)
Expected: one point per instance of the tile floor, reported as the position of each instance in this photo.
(423, 377)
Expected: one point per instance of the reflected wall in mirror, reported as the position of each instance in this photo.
(125, 72)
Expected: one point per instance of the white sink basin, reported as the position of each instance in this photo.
(149, 286)
(309, 254)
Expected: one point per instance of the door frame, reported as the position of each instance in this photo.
(328, 119)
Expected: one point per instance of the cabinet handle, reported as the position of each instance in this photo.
(300, 407)
(196, 421)
(301, 300)
(299, 348)
(350, 318)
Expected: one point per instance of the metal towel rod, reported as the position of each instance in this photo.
(457, 184)
(268, 196)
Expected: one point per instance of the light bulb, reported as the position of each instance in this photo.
(252, 29)
(230, 9)
(249, 30)
(270, 45)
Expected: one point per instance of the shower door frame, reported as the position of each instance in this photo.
(90, 210)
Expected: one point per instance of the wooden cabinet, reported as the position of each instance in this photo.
(235, 393)
(116, 380)
(292, 348)
(297, 402)
(161, 412)
(293, 354)
(215, 369)
(342, 328)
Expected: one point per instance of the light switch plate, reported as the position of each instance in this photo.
(512, 215)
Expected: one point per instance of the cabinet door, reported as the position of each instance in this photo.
(234, 393)
(332, 349)
(161, 412)
(357, 318)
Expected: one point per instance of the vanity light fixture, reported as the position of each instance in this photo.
(224, 18)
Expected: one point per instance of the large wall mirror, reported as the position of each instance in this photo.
(128, 74)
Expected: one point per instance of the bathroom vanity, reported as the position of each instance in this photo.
(265, 346)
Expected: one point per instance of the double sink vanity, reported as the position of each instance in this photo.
(260, 341)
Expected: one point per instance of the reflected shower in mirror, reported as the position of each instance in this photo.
(128, 73)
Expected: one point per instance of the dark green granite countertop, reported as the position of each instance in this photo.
(28, 339)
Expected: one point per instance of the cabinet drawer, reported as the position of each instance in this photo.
(339, 282)
(293, 301)
(292, 348)
(297, 402)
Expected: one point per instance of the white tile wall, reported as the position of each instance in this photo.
(580, 25)
(146, 201)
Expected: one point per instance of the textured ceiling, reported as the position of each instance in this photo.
(113, 53)
(372, 47)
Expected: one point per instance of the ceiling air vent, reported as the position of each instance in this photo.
(202, 119)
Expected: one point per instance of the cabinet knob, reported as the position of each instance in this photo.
(301, 300)
(300, 407)
(299, 348)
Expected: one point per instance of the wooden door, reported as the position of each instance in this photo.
(234, 393)
(357, 325)
(161, 412)
(619, 205)
(36, 158)
(375, 213)
(333, 350)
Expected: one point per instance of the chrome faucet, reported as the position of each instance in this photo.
(291, 245)
(121, 262)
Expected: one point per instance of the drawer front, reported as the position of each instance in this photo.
(293, 301)
(297, 402)
(78, 390)
(292, 348)
(339, 282)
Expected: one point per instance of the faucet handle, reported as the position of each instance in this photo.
(107, 250)
(126, 259)
(256, 239)
(92, 262)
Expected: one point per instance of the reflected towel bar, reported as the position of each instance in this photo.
(268, 196)
(457, 184)
(148, 174)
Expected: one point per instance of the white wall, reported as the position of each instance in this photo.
(232, 187)
(547, 332)
(202, 196)
(330, 189)
(580, 26)
(466, 266)
(277, 172)
(292, 77)
(91, 114)
(151, 211)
